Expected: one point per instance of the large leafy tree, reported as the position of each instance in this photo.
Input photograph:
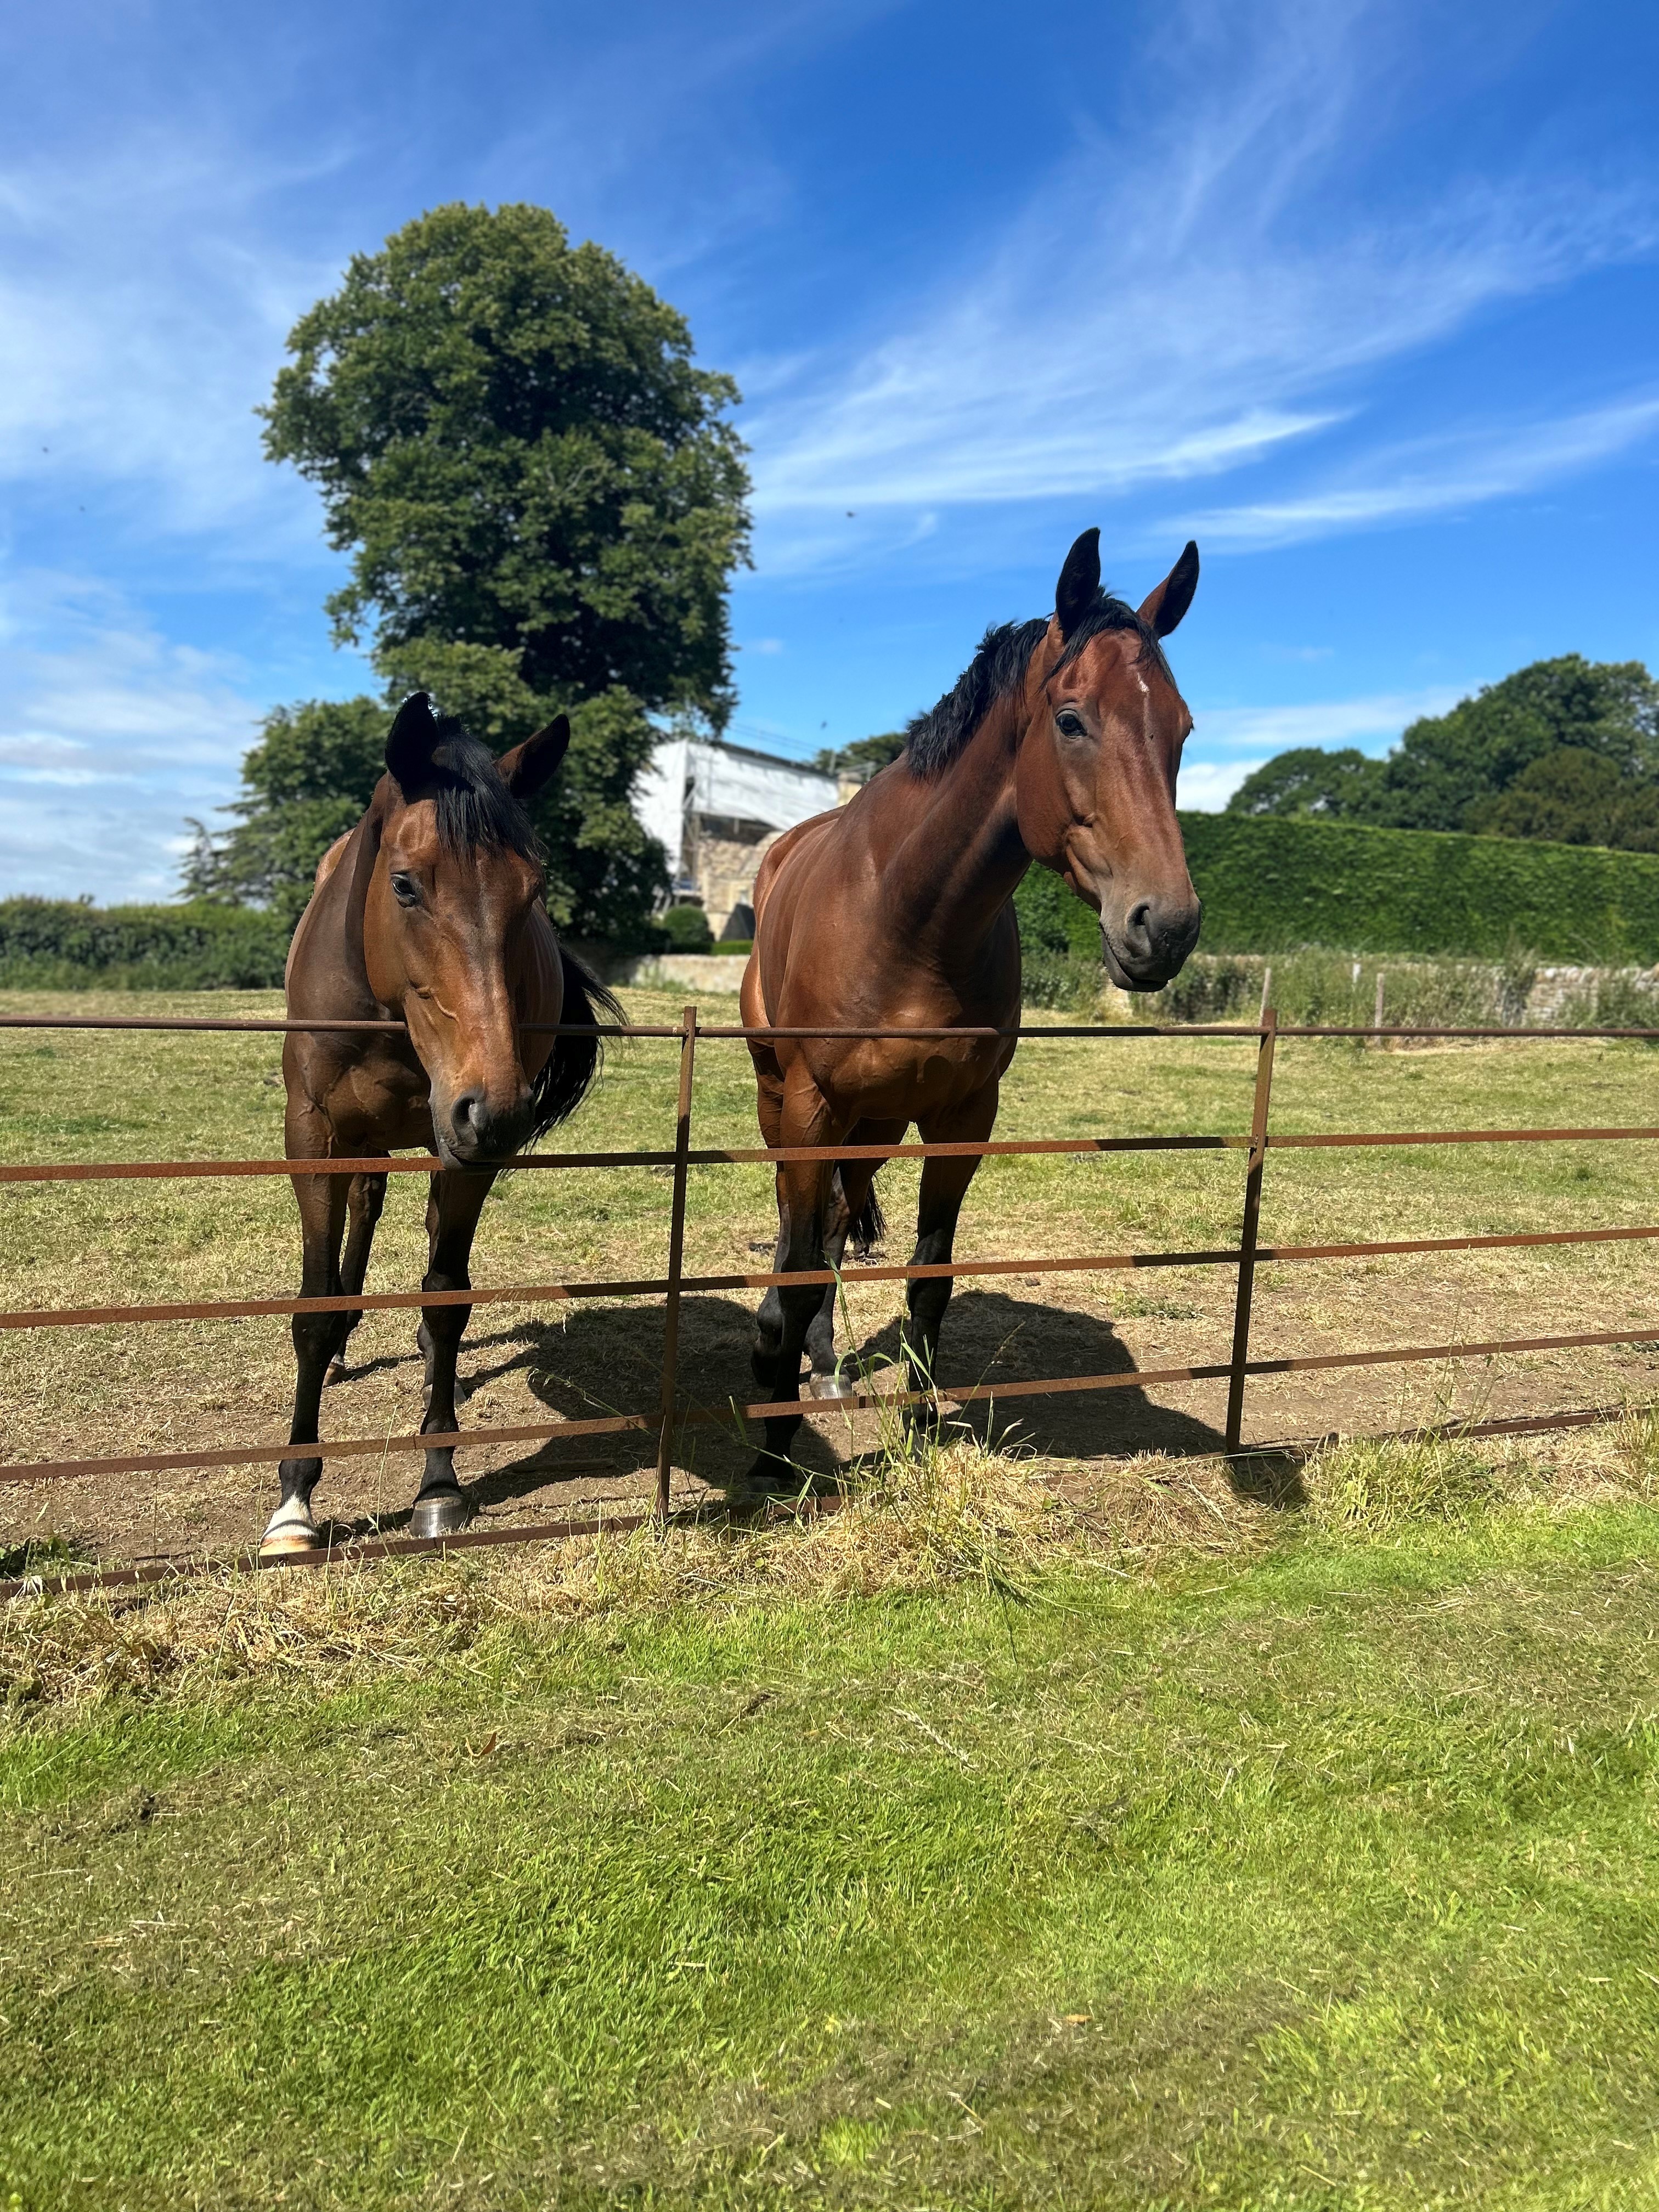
(1564, 749)
(1573, 797)
(309, 777)
(543, 498)
(1308, 780)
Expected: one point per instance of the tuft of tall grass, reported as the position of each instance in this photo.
(1374, 1486)
(1635, 1451)
(1318, 985)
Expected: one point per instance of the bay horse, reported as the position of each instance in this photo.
(431, 912)
(1058, 743)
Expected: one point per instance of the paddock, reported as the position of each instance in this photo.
(1183, 1242)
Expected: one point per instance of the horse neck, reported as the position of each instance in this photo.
(328, 971)
(963, 861)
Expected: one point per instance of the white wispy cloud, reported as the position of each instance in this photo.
(1264, 731)
(144, 303)
(1437, 475)
(1164, 309)
(1245, 737)
(1206, 787)
(110, 735)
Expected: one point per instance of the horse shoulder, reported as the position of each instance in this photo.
(331, 859)
(787, 848)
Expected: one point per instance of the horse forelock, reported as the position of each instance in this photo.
(472, 807)
(935, 739)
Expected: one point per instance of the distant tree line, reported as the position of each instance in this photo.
(863, 758)
(543, 499)
(1566, 750)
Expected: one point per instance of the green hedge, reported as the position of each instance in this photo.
(1270, 884)
(65, 946)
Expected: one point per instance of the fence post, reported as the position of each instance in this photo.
(1247, 1239)
(670, 1334)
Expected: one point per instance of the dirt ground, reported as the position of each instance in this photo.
(526, 1368)
(69, 1393)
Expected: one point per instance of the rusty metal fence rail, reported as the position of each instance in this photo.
(672, 1415)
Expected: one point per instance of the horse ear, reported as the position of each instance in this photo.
(410, 744)
(1080, 582)
(529, 766)
(1164, 608)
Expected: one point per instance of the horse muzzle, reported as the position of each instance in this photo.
(1150, 946)
(472, 1133)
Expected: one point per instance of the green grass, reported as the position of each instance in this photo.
(1322, 1877)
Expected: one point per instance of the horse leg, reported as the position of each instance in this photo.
(452, 1216)
(769, 1321)
(316, 1338)
(849, 1193)
(944, 1186)
(823, 1367)
(364, 1201)
(803, 1195)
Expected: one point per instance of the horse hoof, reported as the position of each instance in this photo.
(289, 1530)
(440, 1515)
(283, 1547)
(834, 1385)
(769, 1478)
(336, 1375)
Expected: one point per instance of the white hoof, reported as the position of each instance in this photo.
(290, 1528)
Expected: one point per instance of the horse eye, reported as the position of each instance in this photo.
(405, 889)
(1068, 724)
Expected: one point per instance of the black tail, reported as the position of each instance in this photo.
(870, 1226)
(575, 1061)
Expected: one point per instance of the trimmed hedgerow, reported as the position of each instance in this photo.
(1270, 885)
(69, 945)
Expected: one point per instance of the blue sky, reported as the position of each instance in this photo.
(1364, 297)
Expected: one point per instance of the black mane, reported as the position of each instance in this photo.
(474, 805)
(934, 739)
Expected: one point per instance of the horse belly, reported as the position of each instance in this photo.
(892, 1080)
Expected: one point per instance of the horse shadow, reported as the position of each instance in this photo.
(992, 1338)
(592, 1361)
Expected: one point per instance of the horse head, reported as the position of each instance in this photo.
(1096, 782)
(454, 931)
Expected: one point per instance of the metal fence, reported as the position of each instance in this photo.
(672, 1414)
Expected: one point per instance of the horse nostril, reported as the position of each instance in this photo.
(468, 1113)
(1138, 926)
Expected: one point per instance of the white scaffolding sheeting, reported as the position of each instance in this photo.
(688, 776)
(730, 779)
(661, 795)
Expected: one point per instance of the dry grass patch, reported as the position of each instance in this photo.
(947, 1514)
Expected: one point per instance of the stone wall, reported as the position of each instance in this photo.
(725, 870)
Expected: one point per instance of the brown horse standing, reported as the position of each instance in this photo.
(431, 911)
(1060, 744)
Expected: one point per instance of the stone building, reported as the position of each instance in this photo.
(716, 807)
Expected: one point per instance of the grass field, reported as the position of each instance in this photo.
(1316, 1870)
(1056, 1826)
